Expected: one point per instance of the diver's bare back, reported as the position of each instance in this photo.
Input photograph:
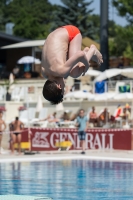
(55, 52)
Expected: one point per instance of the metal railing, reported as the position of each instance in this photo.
(20, 90)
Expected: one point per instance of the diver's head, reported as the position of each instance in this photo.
(52, 92)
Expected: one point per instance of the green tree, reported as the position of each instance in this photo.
(96, 22)
(75, 12)
(125, 9)
(120, 38)
(95, 19)
(128, 53)
(2, 19)
(119, 43)
(32, 18)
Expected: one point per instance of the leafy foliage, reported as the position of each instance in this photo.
(2, 19)
(95, 19)
(34, 19)
(125, 8)
(122, 43)
(31, 17)
(121, 40)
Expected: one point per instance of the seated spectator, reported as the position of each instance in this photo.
(128, 108)
(65, 117)
(74, 116)
(93, 117)
(125, 115)
(118, 112)
(104, 117)
(51, 118)
(27, 75)
(16, 71)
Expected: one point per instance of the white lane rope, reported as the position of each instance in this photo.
(9, 132)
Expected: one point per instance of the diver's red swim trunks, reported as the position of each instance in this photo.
(72, 31)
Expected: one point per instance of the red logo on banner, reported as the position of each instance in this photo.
(40, 140)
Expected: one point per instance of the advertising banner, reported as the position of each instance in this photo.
(45, 139)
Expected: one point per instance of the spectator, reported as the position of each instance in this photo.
(65, 117)
(51, 118)
(82, 124)
(16, 72)
(74, 116)
(125, 115)
(128, 108)
(2, 129)
(104, 117)
(16, 127)
(93, 117)
(118, 112)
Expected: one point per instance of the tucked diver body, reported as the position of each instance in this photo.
(62, 57)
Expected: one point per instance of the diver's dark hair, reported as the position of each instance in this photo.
(52, 93)
(16, 118)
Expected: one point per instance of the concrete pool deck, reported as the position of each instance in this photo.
(114, 155)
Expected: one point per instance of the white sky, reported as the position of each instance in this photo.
(96, 6)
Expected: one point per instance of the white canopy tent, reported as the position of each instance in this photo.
(109, 73)
(128, 72)
(92, 72)
(30, 43)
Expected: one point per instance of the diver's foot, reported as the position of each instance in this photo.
(97, 57)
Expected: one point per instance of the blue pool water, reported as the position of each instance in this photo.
(68, 180)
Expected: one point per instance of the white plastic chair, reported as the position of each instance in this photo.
(15, 93)
(42, 115)
(31, 113)
(24, 116)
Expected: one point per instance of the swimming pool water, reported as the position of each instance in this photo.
(68, 180)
